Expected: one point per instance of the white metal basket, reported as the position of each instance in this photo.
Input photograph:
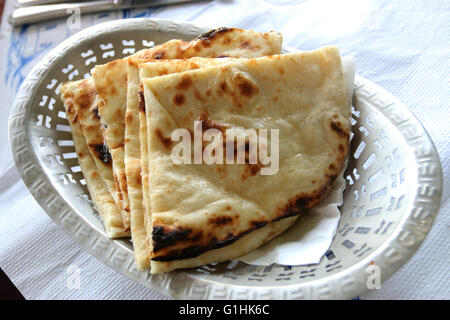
(393, 192)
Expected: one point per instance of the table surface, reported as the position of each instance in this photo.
(403, 46)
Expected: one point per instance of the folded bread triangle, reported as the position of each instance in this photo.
(202, 213)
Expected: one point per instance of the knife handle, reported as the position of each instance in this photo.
(46, 12)
(27, 3)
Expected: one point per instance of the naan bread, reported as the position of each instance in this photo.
(133, 172)
(136, 150)
(199, 212)
(111, 82)
(92, 130)
(78, 98)
(217, 43)
(221, 42)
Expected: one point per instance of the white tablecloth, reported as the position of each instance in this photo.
(404, 46)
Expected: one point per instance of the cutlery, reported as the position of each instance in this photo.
(36, 13)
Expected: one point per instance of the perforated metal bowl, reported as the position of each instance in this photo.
(393, 192)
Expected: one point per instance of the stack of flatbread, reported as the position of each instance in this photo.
(182, 215)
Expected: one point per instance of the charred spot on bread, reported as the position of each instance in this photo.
(339, 129)
(198, 243)
(141, 101)
(184, 83)
(166, 142)
(101, 151)
(220, 220)
(178, 99)
(96, 114)
(213, 33)
(162, 237)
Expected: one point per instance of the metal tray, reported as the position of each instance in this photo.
(392, 197)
